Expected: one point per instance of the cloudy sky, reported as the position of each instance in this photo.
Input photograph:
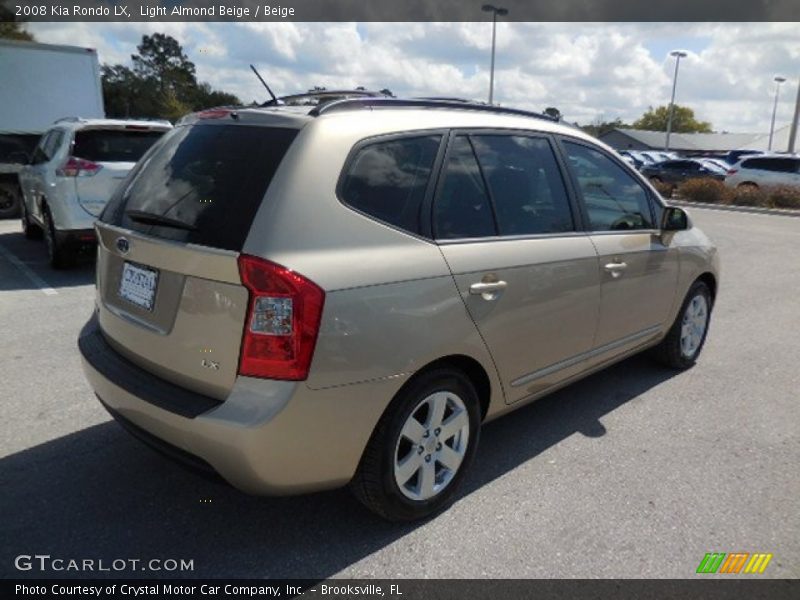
(588, 71)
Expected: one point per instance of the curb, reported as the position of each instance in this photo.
(784, 212)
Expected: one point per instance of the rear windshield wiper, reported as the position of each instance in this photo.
(154, 219)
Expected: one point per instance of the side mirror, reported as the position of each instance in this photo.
(674, 219)
(19, 157)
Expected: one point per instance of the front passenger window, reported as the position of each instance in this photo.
(614, 200)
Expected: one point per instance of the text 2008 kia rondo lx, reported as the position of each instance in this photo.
(301, 299)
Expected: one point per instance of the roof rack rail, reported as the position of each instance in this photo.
(447, 99)
(69, 120)
(357, 103)
(322, 93)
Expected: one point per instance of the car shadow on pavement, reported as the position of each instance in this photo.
(16, 250)
(98, 493)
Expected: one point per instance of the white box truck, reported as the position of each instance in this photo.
(39, 84)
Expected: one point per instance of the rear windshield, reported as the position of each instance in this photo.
(113, 145)
(202, 184)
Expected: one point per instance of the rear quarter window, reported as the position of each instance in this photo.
(387, 180)
(201, 184)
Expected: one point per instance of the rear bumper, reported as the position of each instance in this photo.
(268, 437)
(77, 240)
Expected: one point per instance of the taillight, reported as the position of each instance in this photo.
(732, 171)
(78, 167)
(214, 113)
(282, 321)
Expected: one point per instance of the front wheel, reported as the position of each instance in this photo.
(421, 448)
(685, 339)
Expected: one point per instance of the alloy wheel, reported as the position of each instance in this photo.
(431, 446)
(693, 325)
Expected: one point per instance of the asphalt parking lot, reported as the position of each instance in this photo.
(634, 472)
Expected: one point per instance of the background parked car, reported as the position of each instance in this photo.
(716, 162)
(657, 156)
(735, 156)
(73, 171)
(765, 170)
(635, 158)
(671, 173)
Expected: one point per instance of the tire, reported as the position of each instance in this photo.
(675, 350)
(29, 229)
(10, 200)
(398, 494)
(58, 256)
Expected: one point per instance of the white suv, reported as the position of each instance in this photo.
(73, 171)
(758, 171)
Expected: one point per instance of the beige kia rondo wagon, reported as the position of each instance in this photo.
(302, 298)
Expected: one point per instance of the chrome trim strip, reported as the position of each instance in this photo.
(578, 358)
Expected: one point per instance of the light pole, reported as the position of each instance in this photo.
(495, 10)
(778, 81)
(678, 54)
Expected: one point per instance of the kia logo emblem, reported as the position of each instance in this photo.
(123, 245)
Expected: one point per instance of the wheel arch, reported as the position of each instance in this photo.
(711, 281)
(471, 368)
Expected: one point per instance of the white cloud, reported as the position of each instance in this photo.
(587, 70)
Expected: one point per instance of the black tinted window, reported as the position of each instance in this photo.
(201, 184)
(462, 208)
(780, 165)
(109, 145)
(614, 199)
(52, 143)
(387, 180)
(524, 183)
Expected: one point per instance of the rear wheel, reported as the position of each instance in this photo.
(685, 339)
(58, 255)
(9, 200)
(421, 448)
(29, 228)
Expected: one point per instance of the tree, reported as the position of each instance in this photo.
(600, 126)
(683, 121)
(161, 59)
(11, 29)
(160, 84)
(552, 111)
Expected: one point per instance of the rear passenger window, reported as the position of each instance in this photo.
(387, 180)
(614, 200)
(525, 184)
(462, 207)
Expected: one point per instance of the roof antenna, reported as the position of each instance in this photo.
(261, 79)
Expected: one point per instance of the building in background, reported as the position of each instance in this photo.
(695, 144)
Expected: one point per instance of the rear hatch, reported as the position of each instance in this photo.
(105, 155)
(170, 295)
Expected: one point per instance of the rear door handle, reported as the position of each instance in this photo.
(616, 268)
(488, 290)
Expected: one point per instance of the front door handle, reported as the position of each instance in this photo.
(616, 268)
(487, 290)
